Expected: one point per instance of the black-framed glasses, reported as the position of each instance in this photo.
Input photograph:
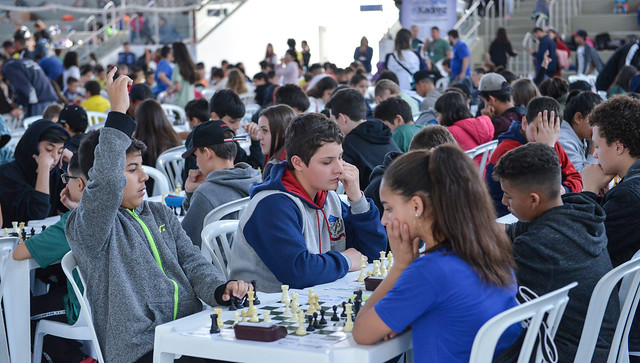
(66, 177)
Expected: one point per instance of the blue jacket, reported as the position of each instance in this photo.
(547, 43)
(285, 237)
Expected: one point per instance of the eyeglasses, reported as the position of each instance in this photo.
(66, 177)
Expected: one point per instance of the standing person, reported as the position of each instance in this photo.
(587, 58)
(31, 87)
(465, 276)
(546, 44)
(164, 71)
(415, 42)
(437, 49)
(127, 57)
(270, 56)
(363, 54)
(306, 55)
(403, 61)
(184, 76)
(461, 61)
(71, 69)
(288, 68)
(500, 49)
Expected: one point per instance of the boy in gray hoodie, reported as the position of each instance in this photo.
(216, 181)
(558, 240)
(140, 267)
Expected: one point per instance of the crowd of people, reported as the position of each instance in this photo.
(566, 166)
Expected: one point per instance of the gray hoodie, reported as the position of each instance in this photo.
(140, 267)
(220, 187)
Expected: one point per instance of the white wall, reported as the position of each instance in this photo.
(244, 36)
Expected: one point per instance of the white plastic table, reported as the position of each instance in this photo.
(178, 338)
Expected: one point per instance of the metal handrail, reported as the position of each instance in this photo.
(527, 66)
(467, 14)
(90, 19)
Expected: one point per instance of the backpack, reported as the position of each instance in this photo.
(602, 41)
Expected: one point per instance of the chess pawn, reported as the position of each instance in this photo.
(312, 305)
(348, 326)
(310, 296)
(235, 318)
(301, 329)
(218, 311)
(266, 317)
(254, 316)
(243, 313)
(287, 311)
(317, 302)
(376, 268)
(363, 274)
(285, 294)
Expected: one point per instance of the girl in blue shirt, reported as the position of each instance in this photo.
(464, 278)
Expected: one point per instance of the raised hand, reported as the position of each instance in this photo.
(350, 178)
(594, 179)
(196, 177)
(404, 249)
(65, 198)
(547, 128)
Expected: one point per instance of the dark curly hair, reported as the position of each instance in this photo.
(531, 167)
(618, 119)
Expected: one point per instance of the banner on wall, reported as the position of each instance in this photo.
(427, 14)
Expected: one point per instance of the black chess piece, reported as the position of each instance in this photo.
(233, 307)
(344, 309)
(310, 327)
(256, 301)
(356, 307)
(33, 231)
(323, 321)
(43, 228)
(240, 303)
(245, 303)
(335, 317)
(214, 324)
(358, 294)
(315, 321)
(182, 212)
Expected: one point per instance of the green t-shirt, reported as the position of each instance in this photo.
(48, 248)
(403, 135)
(186, 92)
(438, 50)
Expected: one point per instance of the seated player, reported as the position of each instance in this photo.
(217, 180)
(541, 124)
(46, 249)
(30, 185)
(140, 267)
(71, 92)
(558, 240)
(464, 278)
(93, 100)
(197, 112)
(74, 119)
(318, 237)
(616, 136)
(396, 113)
(52, 112)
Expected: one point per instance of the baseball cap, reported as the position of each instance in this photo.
(580, 33)
(75, 117)
(492, 82)
(420, 75)
(209, 133)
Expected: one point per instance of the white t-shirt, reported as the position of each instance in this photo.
(410, 61)
(72, 71)
(581, 68)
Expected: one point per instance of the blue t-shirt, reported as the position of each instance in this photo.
(446, 303)
(460, 51)
(165, 67)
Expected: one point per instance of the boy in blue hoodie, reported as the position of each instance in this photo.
(140, 267)
(558, 240)
(315, 238)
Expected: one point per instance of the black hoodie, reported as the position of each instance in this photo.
(566, 244)
(365, 147)
(375, 179)
(18, 197)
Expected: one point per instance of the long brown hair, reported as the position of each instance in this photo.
(154, 130)
(236, 82)
(279, 117)
(463, 217)
(402, 42)
(185, 63)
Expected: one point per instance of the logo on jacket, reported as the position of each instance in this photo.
(336, 226)
(162, 228)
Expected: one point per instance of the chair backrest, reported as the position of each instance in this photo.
(442, 83)
(95, 118)
(174, 113)
(629, 273)
(485, 150)
(171, 164)
(29, 120)
(215, 244)
(68, 265)
(224, 210)
(161, 183)
(548, 308)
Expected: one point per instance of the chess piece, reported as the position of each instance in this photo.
(256, 301)
(218, 312)
(363, 266)
(315, 321)
(250, 299)
(301, 330)
(43, 227)
(254, 316)
(266, 317)
(348, 326)
(390, 259)
(233, 307)
(178, 189)
(235, 318)
(295, 305)
(316, 300)
(15, 227)
(33, 231)
(285, 294)
(382, 255)
(287, 311)
(323, 321)
(6, 232)
(310, 327)
(310, 297)
(383, 267)
(344, 309)
(243, 313)
(369, 274)
(376, 268)
(214, 325)
(335, 316)
(163, 199)
(356, 306)
(312, 305)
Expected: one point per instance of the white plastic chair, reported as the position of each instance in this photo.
(207, 93)
(442, 83)
(29, 120)
(551, 305)
(629, 273)
(95, 126)
(95, 118)
(174, 113)
(247, 98)
(485, 150)
(83, 329)
(224, 210)
(215, 244)
(161, 183)
(171, 164)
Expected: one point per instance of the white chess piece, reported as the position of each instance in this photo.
(254, 317)
(235, 318)
(15, 227)
(287, 311)
(285, 294)
(363, 266)
(382, 255)
(266, 316)
(243, 313)
(376, 268)
(383, 267)
(301, 330)
(219, 321)
(348, 326)
(312, 305)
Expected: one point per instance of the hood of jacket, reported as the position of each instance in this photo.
(477, 130)
(282, 179)
(28, 146)
(513, 133)
(239, 178)
(378, 171)
(374, 131)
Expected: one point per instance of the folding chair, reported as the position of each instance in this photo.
(224, 210)
(161, 183)
(175, 114)
(215, 244)
(550, 305)
(171, 164)
(96, 117)
(29, 120)
(485, 150)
